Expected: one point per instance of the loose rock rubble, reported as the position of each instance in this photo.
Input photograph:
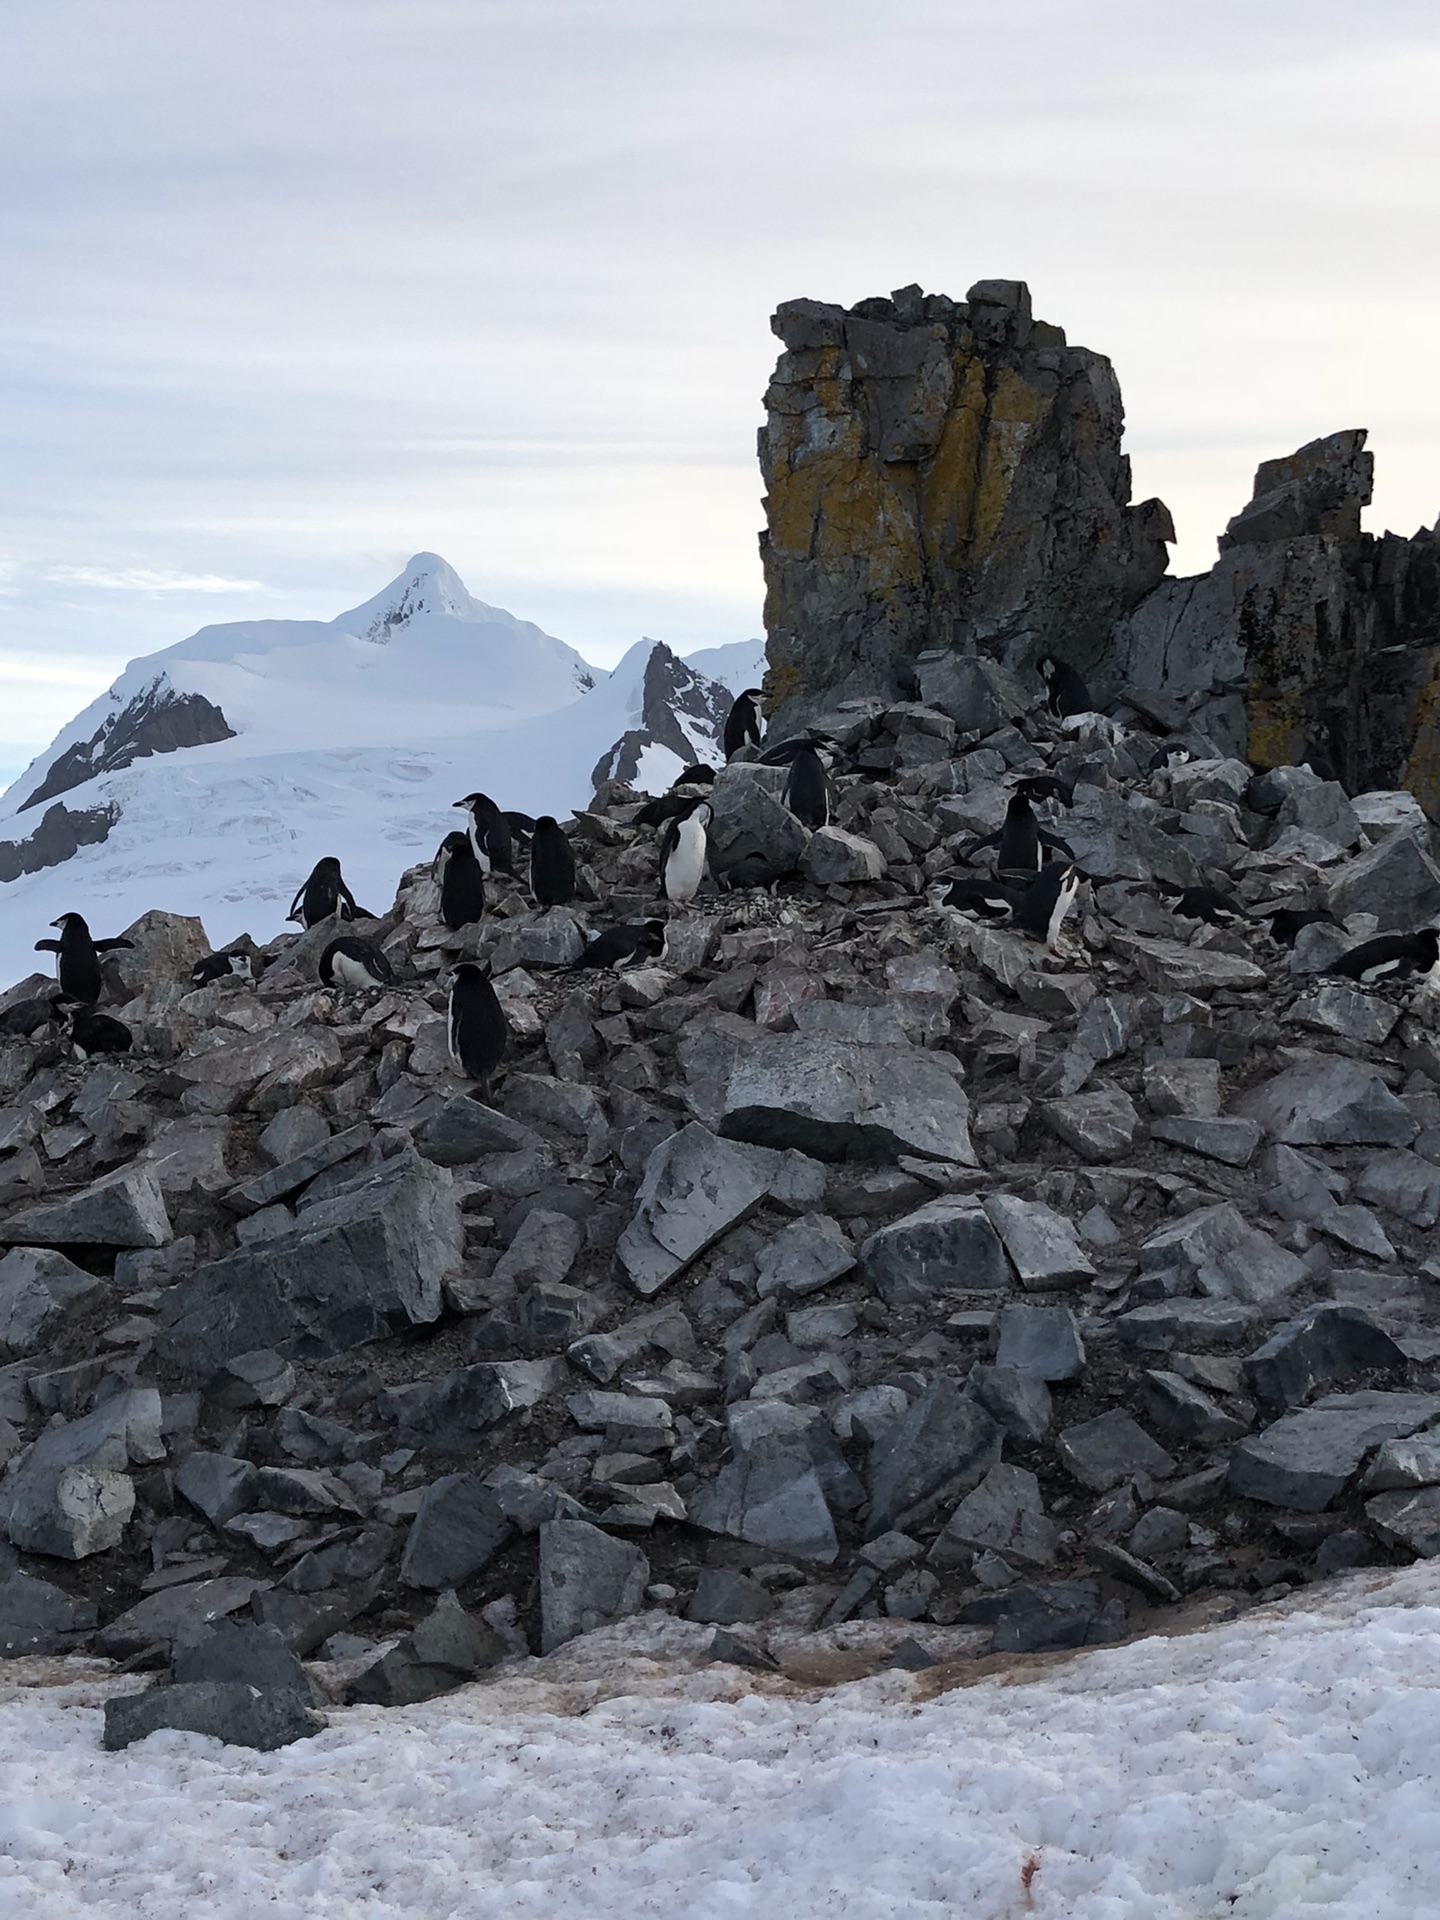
(849, 1260)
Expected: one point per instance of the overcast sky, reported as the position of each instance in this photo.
(296, 287)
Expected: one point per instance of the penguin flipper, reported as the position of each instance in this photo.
(47, 946)
(109, 946)
(1055, 843)
(979, 846)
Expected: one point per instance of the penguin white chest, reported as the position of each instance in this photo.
(686, 863)
(350, 972)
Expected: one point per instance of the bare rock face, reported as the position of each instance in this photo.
(941, 473)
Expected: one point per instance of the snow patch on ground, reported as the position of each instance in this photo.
(1283, 1765)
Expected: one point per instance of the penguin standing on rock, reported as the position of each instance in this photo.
(808, 793)
(1020, 844)
(1393, 956)
(78, 969)
(552, 865)
(1068, 693)
(683, 853)
(352, 962)
(477, 1029)
(92, 1033)
(324, 893)
(462, 882)
(1041, 913)
(744, 723)
(490, 835)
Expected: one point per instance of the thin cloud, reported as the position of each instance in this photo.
(148, 580)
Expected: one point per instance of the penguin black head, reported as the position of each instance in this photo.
(474, 800)
(454, 842)
(326, 869)
(73, 923)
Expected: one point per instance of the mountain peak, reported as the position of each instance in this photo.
(427, 584)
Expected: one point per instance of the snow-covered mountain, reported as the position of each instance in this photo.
(213, 774)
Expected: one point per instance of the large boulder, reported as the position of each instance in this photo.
(1329, 1100)
(1305, 1458)
(946, 1244)
(363, 1262)
(125, 1209)
(587, 1580)
(839, 1101)
(772, 1492)
(73, 1496)
(695, 1189)
(39, 1291)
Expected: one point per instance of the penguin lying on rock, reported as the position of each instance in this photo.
(1286, 923)
(1217, 909)
(1393, 956)
(619, 947)
(78, 970)
(983, 899)
(221, 966)
(90, 1033)
(352, 962)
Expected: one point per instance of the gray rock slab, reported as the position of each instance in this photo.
(228, 1710)
(1110, 1448)
(1227, 1257)
(836, 858)
(725, 1598)
(356, 1266)
(40, 1290)
(454, 1413)
(447, 1650)
(125, 1209)
(1400, 1182)
(1100, 1126)
(464, 1130)
(771, 1493)
(1159, 1325)
(242, 1651)
(291, 1175)
(1043, 1341)
(1306, 1457)
(1179, 1407)
(838, 1101)
(36, 1617)
(1330, 1341)
(1169, 967)
(175, 1615)
(695, 1189)
(979, 695)
(936, 1452)
(750, 824)
(947, 1244)
(1405, 1463)
(1186, 1087)
(1019, 1403)
(1408, 1520)
(72, 1496)
(1005, 1514)
(217, 1485)
(1329, 1100)
(1041, 1243)
(1232, 1142)
(293, 1131)
(542, 1252)
(1397, 880)
(1336, 1007)
(810, 1253)
(587, 1580)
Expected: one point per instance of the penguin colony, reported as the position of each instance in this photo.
(613, 1010)
(1032, 888)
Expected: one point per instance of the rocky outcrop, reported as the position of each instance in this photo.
(60, 834)
(941, 474)
(158, 720)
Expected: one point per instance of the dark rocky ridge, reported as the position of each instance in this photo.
(1108, 1287)
(157, 720)
(945, 479)
(60, 834)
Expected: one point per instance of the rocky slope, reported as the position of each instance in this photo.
(945, 479)
(854, 1260)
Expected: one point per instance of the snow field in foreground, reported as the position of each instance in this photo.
(1280, 1766)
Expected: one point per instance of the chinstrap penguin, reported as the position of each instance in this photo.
(744, 724)
(324, 893)
(1287, 923)
(808, 793)
(461, 880)
(552, 865)
(1047, 901)
(1209, 904)
(78, 969)
(619, 947)
(1046, 786)
(477, 1029)
(354, 963)
(90, 1033)
(1021, 844)
(490, 836)
(684, 849)
(1393, 956)
(1068, 693)
(221, 966)
(982, 899)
